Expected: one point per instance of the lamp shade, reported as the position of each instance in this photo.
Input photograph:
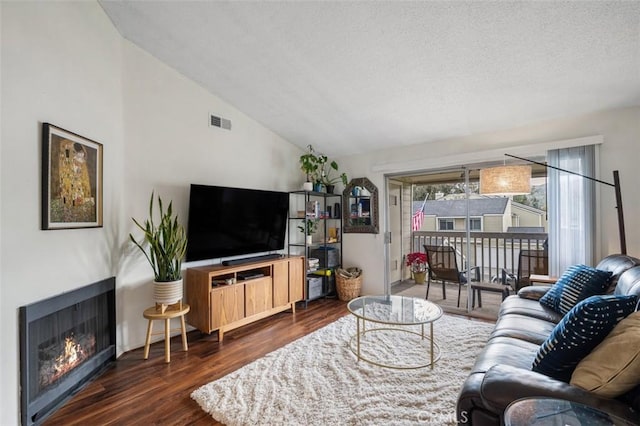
(505, 180)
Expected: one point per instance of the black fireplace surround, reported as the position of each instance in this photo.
(65, 341)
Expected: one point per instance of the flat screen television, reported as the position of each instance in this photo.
(225, 221)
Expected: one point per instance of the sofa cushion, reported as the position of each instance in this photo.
(505, 351)
(613, 367)
(579, 332)
(523, 327)
(577, 283)
(527, 307)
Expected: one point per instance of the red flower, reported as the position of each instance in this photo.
(416, 258)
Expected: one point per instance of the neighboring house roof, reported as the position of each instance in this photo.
(526, 229)
(526, 207)
(458, 208)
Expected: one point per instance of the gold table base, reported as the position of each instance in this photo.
(434, 348)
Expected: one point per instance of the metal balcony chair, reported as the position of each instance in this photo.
(443, 266)
(530, 262)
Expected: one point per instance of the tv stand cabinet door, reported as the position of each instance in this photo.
(296, 279)
(280, 284)
(258, 296)
(227, 305)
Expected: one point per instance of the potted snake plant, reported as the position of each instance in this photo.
(164, 245)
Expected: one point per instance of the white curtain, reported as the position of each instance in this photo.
(571, 208)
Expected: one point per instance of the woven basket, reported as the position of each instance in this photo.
(348, 288)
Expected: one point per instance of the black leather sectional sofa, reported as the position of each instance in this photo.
(503, 371)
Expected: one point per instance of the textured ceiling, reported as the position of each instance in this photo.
(351, 77)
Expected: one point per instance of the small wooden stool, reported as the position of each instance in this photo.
(173, 311)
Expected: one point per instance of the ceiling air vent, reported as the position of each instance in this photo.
(223, 123)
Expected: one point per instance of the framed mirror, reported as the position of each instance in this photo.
(360, 207)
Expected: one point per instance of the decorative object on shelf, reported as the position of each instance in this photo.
(167, 243)
(333, 233)
(348, 283)
(360, 211)
(418, 263)
(308, 227)
(71, 180)
(313, 209)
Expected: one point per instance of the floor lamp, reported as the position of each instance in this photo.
(511, 180)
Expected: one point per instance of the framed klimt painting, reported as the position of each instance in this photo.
(71, 180)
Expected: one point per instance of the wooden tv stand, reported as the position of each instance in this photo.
(275, 286)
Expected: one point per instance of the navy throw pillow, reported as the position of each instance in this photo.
(577, 283)
(579, 332)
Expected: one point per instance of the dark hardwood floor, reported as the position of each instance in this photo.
(133, 391)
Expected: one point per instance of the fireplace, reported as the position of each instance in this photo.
(65, 341)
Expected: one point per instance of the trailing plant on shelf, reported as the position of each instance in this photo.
(164, 244)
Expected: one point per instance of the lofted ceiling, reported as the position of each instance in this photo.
(356, 76)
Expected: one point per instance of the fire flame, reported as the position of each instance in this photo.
(72, 353)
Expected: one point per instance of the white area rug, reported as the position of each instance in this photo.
(318, 380)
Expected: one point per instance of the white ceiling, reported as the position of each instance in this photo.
(351, 77)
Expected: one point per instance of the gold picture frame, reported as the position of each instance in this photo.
(71, 180)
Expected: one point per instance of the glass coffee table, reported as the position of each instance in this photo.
(402, 315)
(541, 411)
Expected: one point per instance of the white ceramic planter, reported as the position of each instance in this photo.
(167, 293)
(307, 186)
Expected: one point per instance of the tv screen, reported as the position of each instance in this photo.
(226, 221)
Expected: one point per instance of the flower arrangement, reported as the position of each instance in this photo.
(417, 261)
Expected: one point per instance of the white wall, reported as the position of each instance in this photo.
(620, 151)
(61, 64)
(170, 145)
(64, 63)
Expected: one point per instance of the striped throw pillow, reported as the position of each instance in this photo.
(577, 283)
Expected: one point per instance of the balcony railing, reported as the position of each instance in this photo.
(491, 251)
